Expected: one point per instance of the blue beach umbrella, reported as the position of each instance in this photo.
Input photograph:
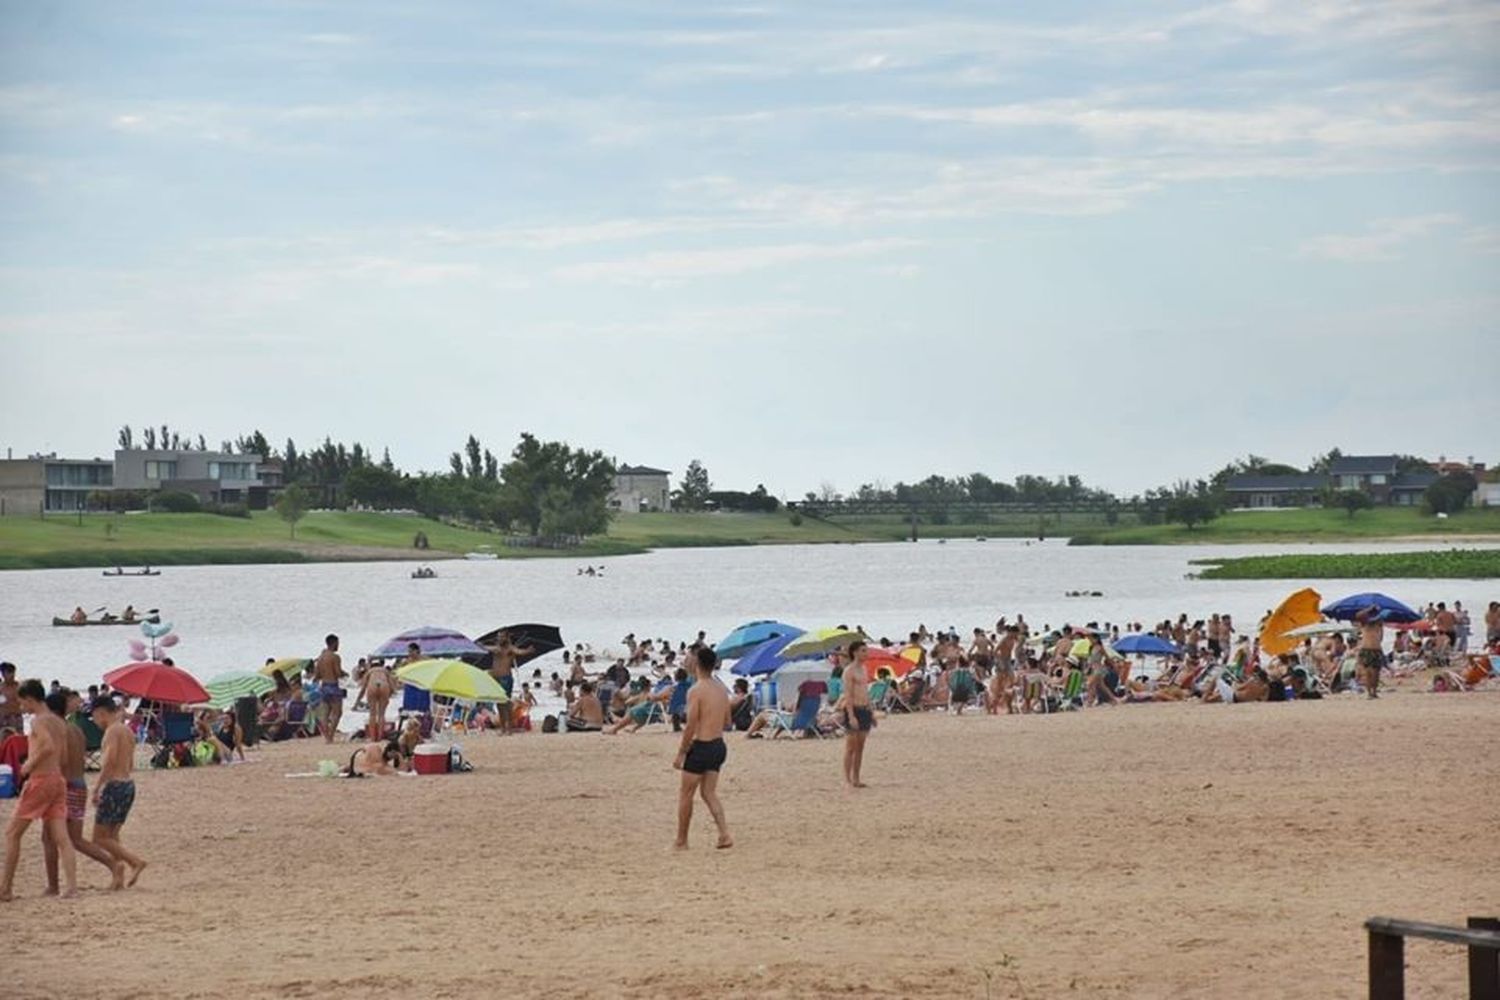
(766, 658)
(752, 634)
(1147, 645)
(1388, 609)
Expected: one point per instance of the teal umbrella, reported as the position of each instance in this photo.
(224, 689)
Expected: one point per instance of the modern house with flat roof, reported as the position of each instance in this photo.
(641, 488)
(1262, 492)
(46, 484)
(211, 476)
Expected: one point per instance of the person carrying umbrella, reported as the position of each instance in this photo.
(1371, 656)
(506, 653)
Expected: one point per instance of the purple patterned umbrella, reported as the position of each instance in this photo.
(433, 641)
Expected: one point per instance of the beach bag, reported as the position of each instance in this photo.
(204, 753)
(456, 760)
(549, 724)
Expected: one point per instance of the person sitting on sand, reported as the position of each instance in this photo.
(203, 733)
(741, 705)
(585, 715)
(231, 734)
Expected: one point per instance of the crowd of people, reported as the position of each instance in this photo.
(1012, 668)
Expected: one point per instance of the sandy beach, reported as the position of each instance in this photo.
(1153, 850)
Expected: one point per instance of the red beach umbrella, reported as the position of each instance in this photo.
(158, 682)
(877, 658)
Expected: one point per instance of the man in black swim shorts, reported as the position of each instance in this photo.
(859, 716)
(701, 751)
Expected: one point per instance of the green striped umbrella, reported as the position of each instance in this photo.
(225, 688)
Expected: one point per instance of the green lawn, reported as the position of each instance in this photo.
(1313, 525)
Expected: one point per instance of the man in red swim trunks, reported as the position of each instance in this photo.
(45, 793)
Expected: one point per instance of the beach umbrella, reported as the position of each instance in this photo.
(1321, 628)
(1298, 609)
(1147, 645)
(432, 641)
(877, 659)
(1388, 609)
(452, 679)
(753, 634)
(540, 639)
(225, 689)
(290, 667)
(820, 643)
(767, 658)
(158, 682)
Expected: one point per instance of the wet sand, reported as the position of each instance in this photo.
(1141, 851)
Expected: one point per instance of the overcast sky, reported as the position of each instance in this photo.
(805, 242)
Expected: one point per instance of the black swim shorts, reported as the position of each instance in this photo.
(704, 756)
(864, 719)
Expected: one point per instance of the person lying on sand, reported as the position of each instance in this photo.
(377, 757)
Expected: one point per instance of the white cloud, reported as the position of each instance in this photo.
(1383, 239)
(670, 266)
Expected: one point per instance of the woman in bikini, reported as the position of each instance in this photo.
(375, 688)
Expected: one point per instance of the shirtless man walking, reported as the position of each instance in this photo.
(45, 793)
(859, 718)
(505, 654)
(1371, 656)
(62, 705)
(328, 670)
(114, 792)
(701, 752)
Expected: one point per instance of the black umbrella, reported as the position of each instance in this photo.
(539, 639)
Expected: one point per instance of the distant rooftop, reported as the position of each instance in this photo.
(641, 470)
(1271, 484)
(1363, 465)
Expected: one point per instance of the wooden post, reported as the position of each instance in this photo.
(1387, 966)
(1484, 963)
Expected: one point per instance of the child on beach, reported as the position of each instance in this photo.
(44, 796)
(114, 792)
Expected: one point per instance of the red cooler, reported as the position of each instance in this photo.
(430, 758)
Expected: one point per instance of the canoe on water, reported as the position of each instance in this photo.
(70, 623)
(131, 572)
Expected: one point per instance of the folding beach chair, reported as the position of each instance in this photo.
(93, 740)
(804, 719)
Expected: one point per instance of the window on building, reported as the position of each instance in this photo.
(1377, 480)
(1348, 482)
(161, 470)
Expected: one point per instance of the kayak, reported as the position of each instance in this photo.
(70, 623)
(131, 572)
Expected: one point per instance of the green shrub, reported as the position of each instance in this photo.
(796, 519)
(176, 502)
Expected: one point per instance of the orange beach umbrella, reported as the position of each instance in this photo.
(1299, 609)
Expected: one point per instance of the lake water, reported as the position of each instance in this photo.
(234, 617)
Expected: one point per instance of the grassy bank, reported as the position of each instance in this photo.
(1454, 564)
(1301, 526)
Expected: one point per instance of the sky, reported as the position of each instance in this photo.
(810, 244)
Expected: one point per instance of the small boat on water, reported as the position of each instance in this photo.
(481, 554)
(425, 573)
(117, 571)
(70, 623)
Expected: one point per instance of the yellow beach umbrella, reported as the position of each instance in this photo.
(452, 679)
(1299, 609)
(820, 642)
(291, 667)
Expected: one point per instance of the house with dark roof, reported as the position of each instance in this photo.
(641, 488)
(1379, 476)
(1262, 492)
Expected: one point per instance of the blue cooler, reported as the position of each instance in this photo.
(7, 782)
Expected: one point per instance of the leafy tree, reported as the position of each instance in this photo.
(491, 467)
(1352, 501)
(385, 460)
(291, 462)
(148, 438)
(126, 438)
(292, 506)
(692, 493)
(1322, 463)
(1191, 510)
(537, 467)
(202, 443)
(476, 460)
(1451, 493)
(456, 463)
